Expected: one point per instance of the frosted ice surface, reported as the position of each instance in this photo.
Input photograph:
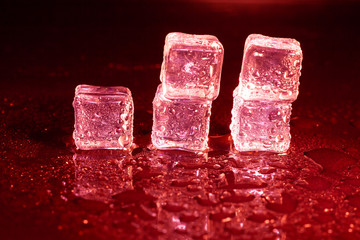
(271, 68)
(181, 124)
(103, 117)
(192, 66)
(260, 125)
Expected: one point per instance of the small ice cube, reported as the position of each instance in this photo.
(260, 125)
(271, 68)
(192, 66)
(181, 124)
(103, 117)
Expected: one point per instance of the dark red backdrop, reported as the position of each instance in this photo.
(49, 48)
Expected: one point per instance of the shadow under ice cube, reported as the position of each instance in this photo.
(192, 66)
(181, 124)
(103, 117)
(271, 68)
(260, 125)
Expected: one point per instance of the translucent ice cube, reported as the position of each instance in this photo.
(192, 66)
(103, 117)
(180, 123)
(259, 125)
(271, 68)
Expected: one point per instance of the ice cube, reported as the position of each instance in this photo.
(181, 124)
(192, 66)
(260, 125)
(103, 117)
(271, 68)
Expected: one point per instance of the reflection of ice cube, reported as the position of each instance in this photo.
(180, 124)
(184, 179)
(271, 68)
(101, 174)
(192, 66)
(103, 117)
(260, 125)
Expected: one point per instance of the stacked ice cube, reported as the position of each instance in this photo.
(190, 76)
(268, 84)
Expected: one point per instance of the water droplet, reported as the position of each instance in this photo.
(285, 94)
(206, 201)
(188, 217)
(354, 200)
(173, 207)
(261, 217)
(235, 198)
(162, 128)
(331, 160)
(286, 204)
(124, 141)
(217, 166)
(317, 183)
(222, 217)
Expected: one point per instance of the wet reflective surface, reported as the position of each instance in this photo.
(49, 190)
(53, 190)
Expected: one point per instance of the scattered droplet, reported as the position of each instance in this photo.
(235, 198)
(173, 207)
(286, 205)
(223, 217)
(331, 160)
(261, 217)
(317, 183)
(305, 123)
(188, 217)
(354, 200)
